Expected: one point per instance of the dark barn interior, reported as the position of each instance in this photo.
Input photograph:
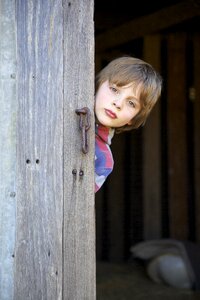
(153, 192)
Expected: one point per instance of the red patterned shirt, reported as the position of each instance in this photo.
(103, 155)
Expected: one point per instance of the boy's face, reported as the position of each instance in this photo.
(116, 106)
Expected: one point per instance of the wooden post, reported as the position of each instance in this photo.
(79, 225)
(196, 132)
(152, 152)
(54, 224)
(8, 109)
(177, 147)
(116, 201)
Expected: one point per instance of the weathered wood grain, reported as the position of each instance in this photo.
(39, 214)
(8, 109)
(79, 220)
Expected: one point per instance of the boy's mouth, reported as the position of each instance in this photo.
(110, 114)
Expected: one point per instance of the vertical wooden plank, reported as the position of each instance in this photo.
(152, 152)
(177, 148)
(116, 200)
(39, 214)
(8, 110)
(196, 132)
(79, 218)
(133, 192)
(99, 222)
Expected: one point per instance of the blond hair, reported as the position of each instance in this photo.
(133, 71)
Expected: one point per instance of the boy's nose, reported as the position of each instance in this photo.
(118, 103)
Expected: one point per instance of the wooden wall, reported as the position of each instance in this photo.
(47, 217)
(153, 191)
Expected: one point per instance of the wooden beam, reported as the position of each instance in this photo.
(152, 23)
(177, 144)
(152, 152)
(116, 200)
(196, 132)
(79, 278)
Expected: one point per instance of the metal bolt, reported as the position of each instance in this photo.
(81, 173)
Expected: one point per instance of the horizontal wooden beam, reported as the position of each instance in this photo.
(152, 23)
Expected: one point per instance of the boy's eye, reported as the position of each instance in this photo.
(131, 103)
(114, 89)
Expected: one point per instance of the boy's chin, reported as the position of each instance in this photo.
(110, 124)
(103, 123)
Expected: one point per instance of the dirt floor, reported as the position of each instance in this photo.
(129, 281)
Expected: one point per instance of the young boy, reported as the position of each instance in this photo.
(126, 91)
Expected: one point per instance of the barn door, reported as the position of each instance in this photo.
(53, 248)
(79, 225)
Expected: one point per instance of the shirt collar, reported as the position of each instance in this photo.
(105, 133)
